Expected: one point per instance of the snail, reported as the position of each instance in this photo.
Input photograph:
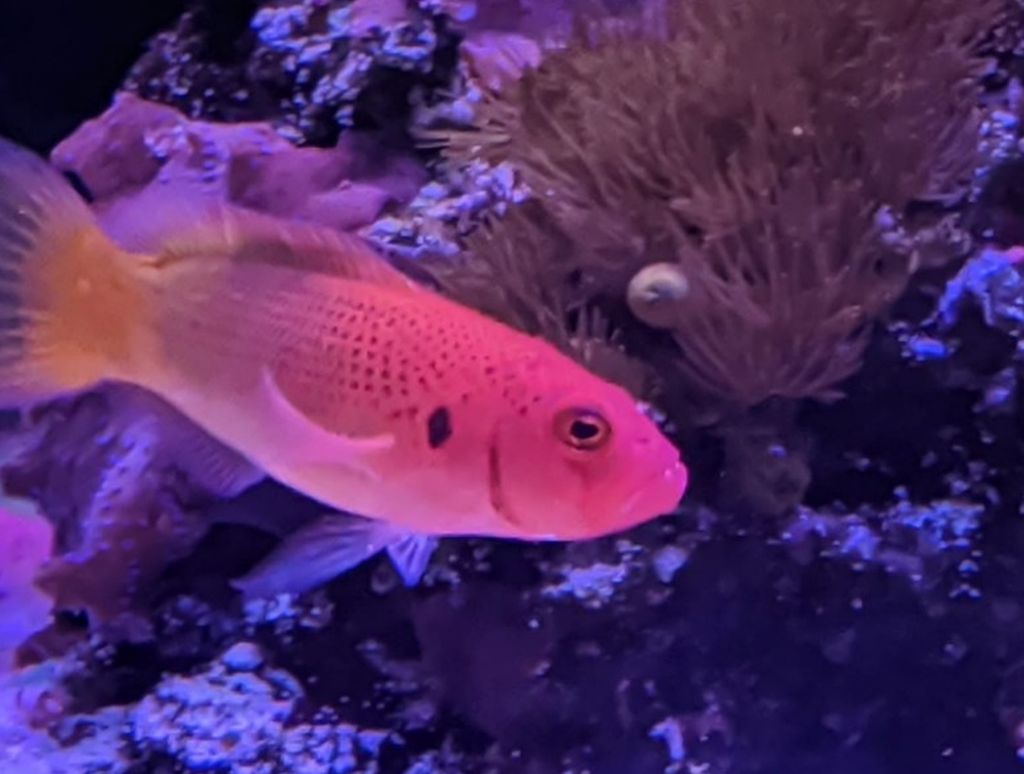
(654, 293)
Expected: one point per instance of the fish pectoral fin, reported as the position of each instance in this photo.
(315, 444)
(410, 554)
(324, 549)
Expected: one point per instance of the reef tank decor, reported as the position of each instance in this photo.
(541, 386)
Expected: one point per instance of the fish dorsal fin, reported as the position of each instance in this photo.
(315, 445)
(173, 227)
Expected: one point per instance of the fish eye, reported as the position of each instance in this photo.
(582, 429)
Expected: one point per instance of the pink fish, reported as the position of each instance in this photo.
(305, 352)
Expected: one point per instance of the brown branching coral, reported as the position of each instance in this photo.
(758, 153)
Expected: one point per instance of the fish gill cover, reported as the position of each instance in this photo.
(787, 225)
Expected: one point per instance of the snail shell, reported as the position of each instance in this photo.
(654, 294)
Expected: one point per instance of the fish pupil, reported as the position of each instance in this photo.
(584, 430)
(439, 426)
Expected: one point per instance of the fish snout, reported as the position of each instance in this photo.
(658, 451)
(676, 476)
(658, 494)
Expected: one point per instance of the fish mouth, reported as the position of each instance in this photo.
(647, 500)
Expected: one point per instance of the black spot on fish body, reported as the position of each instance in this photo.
(439, 426)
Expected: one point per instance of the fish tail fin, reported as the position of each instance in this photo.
(67, 293)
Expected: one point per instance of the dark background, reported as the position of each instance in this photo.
(61, 60)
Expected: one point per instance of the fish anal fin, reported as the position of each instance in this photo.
(205, 461)
(212, 465)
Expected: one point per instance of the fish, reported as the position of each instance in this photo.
(305, 354)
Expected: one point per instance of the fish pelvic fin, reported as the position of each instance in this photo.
(69, 300)
(411, 554)
(332, 545)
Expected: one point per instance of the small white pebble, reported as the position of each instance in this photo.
(668, 561)
(243, 657)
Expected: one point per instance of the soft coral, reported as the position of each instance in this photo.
(751, 150)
